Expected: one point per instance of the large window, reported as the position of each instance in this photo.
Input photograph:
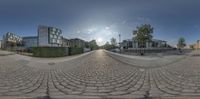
(54, 36)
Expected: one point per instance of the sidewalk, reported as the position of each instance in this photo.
(49, 60)
(145, 61)
(5, 53)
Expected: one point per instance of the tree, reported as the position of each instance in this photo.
(143, 34)
(181, 42)
(107, 45)
(113, 41)
(93, 44)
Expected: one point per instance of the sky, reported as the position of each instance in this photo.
(103, 19)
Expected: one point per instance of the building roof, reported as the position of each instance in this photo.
(77, 39)
(155, 40)
(158, 40)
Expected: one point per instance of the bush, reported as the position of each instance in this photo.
(75, 50)
(50, 51)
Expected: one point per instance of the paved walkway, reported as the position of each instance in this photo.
(5, 53)
(146, 61)
(97, 75)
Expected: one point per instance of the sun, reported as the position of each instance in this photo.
(99, 41)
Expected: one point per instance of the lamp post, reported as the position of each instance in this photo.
(119, 43)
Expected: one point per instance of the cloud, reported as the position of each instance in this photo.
(78, 31)
(107, 28)
(91, 30)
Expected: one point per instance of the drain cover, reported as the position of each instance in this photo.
(51, 63)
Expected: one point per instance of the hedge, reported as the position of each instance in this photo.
(75, 50)
(50, 51)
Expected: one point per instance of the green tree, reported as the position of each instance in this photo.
(107, 45)
(113, 41)
(181, 42)
(143, 34)
(93, 45)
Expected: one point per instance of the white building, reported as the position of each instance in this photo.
(155, 43)
(65, 42)
(11, 40)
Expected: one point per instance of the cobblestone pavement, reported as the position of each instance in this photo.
(97, 75)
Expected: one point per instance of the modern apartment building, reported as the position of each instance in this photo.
(49, 36)
(77, 43)
(65, 42)
(30, 41)
(155, 43)
(125, 44)
(11, 40)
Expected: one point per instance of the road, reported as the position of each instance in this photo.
(96, 75)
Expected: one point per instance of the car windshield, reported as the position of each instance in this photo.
(99, 49)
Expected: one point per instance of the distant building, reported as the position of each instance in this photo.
(196, 46)
(30, 41)
(127, 44)
(65, 42)
(49, 36)
(76, 42)
(11, 40)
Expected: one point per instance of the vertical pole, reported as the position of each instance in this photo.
(120, 43)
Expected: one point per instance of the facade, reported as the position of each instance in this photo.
(77, 43)
(49, 36)
(11, 40)
(65, 42)
(197, 45)
(155, 43)
(127, 44)
(30, 41)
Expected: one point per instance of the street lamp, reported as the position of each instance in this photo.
(120, 43)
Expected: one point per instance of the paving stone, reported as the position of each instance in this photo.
(97, 75)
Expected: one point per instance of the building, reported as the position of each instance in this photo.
(127, 44)
(49, 36)
(155, 43)
(30, 41)
(11, 40)
(76, 42)
(65, 42)
(196, 46)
